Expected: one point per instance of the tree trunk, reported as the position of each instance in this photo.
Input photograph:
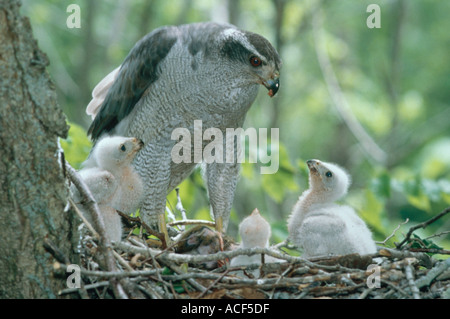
(33, 192)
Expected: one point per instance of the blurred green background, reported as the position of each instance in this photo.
(376, 101)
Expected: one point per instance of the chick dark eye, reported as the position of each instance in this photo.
(328, 174)
(255, 61)
(123, 148)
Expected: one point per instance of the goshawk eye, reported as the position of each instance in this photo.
(255, 61)
(328, 174)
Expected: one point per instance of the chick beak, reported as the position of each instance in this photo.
(312, 165)
(138, 145)
(272, 85)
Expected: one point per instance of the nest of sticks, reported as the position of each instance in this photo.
(139, 268)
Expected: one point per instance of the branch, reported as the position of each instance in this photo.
(410, 277)
(89, 203)
(340, 102)
(430, 251)
(423, 258)
(422, 225)
(105, 248)
(179, 205)
(432, 274)
(86, 287)
(393, 233)
(167, 257)
(85, 221)
(214, 283)
(192, 222)
(186, 258)
(147, 228)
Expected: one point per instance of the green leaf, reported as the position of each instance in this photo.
(279, 184)
(381, 185)
(420, 201)
(372, 210)
(247, 170)
(179, 288)
(291, 252)
(279, 231)
(203, 214)
(167, 271)
(427, 242)
(77, 146)
(414, 192)
(446, 197)
(431, 189)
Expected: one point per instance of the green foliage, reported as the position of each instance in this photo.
(278, 185)
(418, 242)
(395, 80)
(372, 210)
(77, 146)
(178, 286)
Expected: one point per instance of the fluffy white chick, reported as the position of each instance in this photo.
(255, 232)
(112, 180)
(320, 226)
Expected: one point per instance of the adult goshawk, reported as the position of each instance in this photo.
(172, 77)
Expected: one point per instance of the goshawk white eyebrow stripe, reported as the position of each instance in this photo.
(241, 38)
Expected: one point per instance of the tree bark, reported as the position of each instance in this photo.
(33, 192)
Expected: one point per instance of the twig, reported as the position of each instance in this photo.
(279, 278)
(365, 293)
(86, 287)
(432, 274)
(437, 235)
(393, 233)
(170, 215)
(149, 290)
(186, 258)
(179, 205)
(422, 225)
(149, 230)
(212, 285)
(324, 291)
(340, 102)
(122, 261)
(192, 222)
(410, 277)
(284, 243)
(400, 290)
(88, 202)
(271, 283)
(154, 264)
(430, 250)
(55, 251)
(423, 258)
(111, 274)
(85, 221)
(190, 280)
(128, 217)
(104, 246)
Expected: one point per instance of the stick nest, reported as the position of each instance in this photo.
(143, 271)
(140, 268)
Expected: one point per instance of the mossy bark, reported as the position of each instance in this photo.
(33, 192)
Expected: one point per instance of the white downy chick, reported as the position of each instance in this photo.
(115, 155)
(255, 232)
(112, 180)
(321, 227)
